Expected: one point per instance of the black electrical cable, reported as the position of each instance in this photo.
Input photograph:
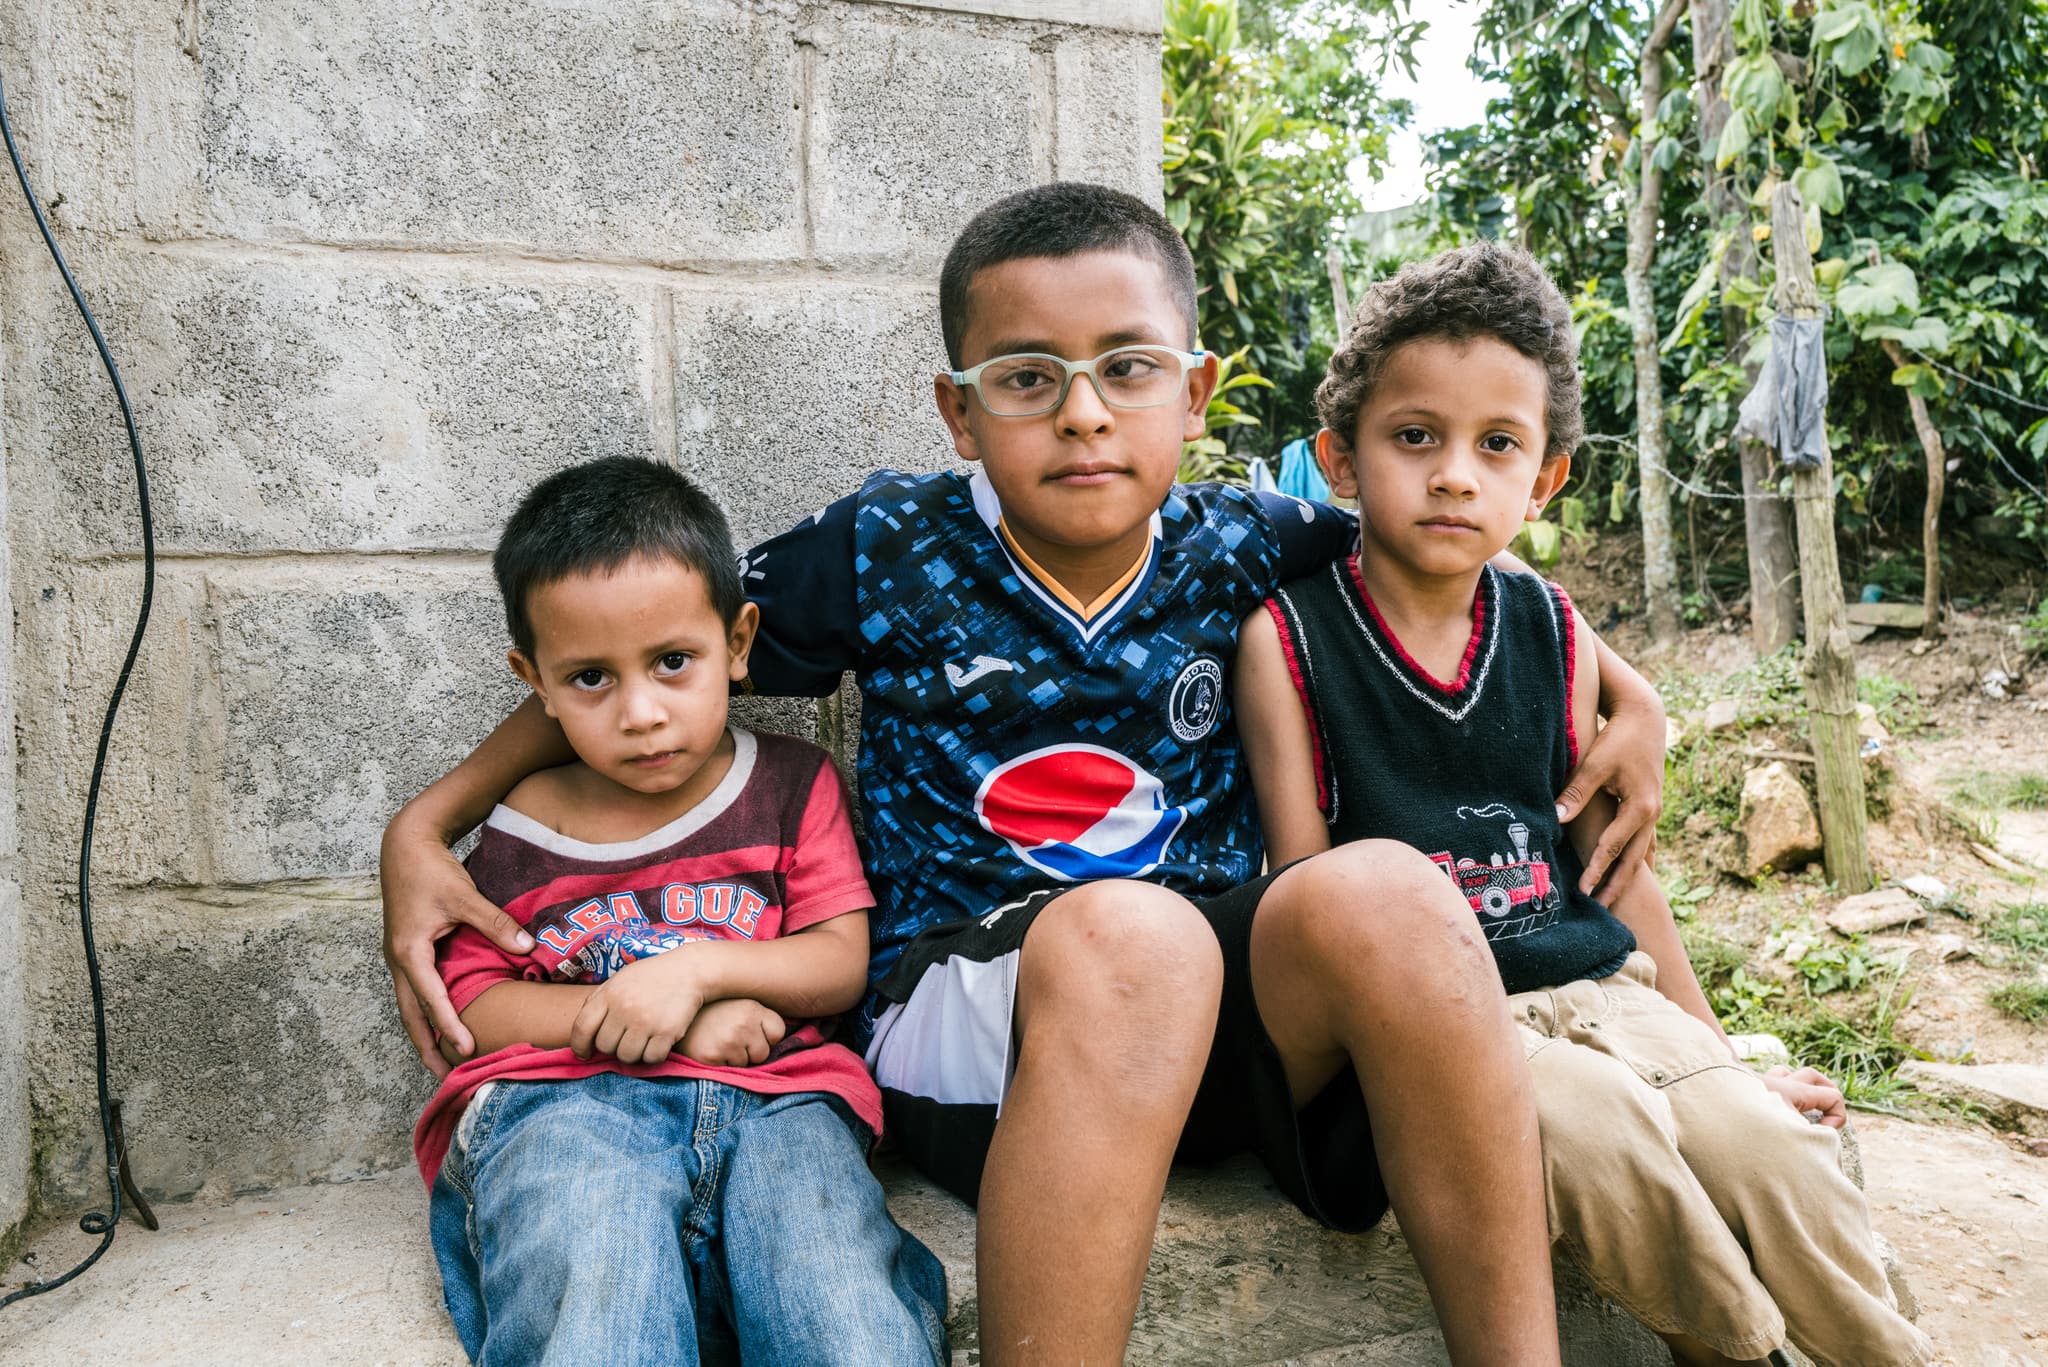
(93, 1221)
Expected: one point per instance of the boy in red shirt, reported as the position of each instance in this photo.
(655, 1142)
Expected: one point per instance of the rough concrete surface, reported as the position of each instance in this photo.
(644, 129)
(1102, 91)
(940, 106)
(324, 401)
(255, 1042)
(786, 398)
(342, 1275)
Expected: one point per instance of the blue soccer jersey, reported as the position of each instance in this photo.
(1009, 745)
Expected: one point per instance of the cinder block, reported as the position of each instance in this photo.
(255, 1041)
(656, 130)
(312, 402)
(342, 697)
(1107, 111)
(75, 622)
(788, 397)
(917, 127)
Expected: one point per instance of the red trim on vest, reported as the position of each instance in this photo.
(1471, 646)
(1315, 736)
(1571, 674)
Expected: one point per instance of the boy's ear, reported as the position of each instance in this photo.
(954, 400)
(1549, 479)
(1202, 381)
(1338, 462)
(523, 666)
(740, 639)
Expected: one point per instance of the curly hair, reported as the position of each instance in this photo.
(1484, 290)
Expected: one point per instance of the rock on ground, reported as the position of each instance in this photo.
(1776, 827)
(2013, 1094)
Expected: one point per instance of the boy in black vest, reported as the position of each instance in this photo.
(1416, 692)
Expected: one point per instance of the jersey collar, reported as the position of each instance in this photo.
(1087, 619)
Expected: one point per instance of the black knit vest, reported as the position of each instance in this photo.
(1465, 771)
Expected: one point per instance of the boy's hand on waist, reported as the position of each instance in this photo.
(641, 1012)
(427, 894)
(734, 1033)
(1626, 759)
(1805, 1090)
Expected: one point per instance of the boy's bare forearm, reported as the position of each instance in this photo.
(525, 742)
(538, 1014)
(1622, 689)
(821, 970)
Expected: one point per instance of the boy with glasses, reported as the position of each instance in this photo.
(1078, 971)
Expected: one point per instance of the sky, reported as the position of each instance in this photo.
(1446, 95)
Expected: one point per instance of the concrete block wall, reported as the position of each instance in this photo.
(371, 269)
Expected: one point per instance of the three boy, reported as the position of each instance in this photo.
(1078, 972)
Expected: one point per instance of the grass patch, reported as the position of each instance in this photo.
(2026, 1001)
(1897, 703)
(2022, 931)
(1852, 1036)
(2000, 792)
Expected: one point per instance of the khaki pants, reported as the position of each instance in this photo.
(1692, 1195)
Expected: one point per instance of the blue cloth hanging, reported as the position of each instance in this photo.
(1299, 475)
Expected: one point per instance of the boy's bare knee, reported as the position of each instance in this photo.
(1126, 965)
(1375, 902)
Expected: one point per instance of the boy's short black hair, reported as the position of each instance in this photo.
(1484, 290)
(594, 518)
(1064, 218)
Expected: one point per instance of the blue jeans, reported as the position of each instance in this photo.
(620, 1220)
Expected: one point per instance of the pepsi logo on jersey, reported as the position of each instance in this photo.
(1079, 812)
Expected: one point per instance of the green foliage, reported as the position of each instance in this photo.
(2034, 630)
(1208, 456)
(2027, 1001)
(1913, 128)
(1897, 703)
(1268, 105)
(1829, 967)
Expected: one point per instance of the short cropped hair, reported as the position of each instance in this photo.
(597, 517)
(1484, 290)
(1064, 218)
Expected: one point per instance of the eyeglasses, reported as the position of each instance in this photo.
(1129, 377)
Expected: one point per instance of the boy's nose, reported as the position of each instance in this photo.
(1083, 413)
(1457, 473)
(643, 710)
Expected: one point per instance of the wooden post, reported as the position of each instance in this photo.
(1340, 298)
(1830, 667)
(1930, 518)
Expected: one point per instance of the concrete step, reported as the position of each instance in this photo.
(342, 1275)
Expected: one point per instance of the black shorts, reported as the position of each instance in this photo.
(944, 1047)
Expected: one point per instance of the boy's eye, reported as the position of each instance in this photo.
(1412, 436)
(1021, 377)
(674, 662)
(1500, 443)
(588, 678)
(1132, 365)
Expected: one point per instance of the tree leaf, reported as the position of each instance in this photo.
(1734, 139)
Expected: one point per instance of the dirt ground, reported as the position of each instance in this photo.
(1965, 791)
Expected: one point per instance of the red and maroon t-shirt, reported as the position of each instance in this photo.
(768, 852)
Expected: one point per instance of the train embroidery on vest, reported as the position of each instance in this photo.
(1513, 896)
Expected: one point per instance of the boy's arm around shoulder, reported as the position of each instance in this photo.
(427, 892)
(1637, 900)
(1624, 758)
(1279, 750)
